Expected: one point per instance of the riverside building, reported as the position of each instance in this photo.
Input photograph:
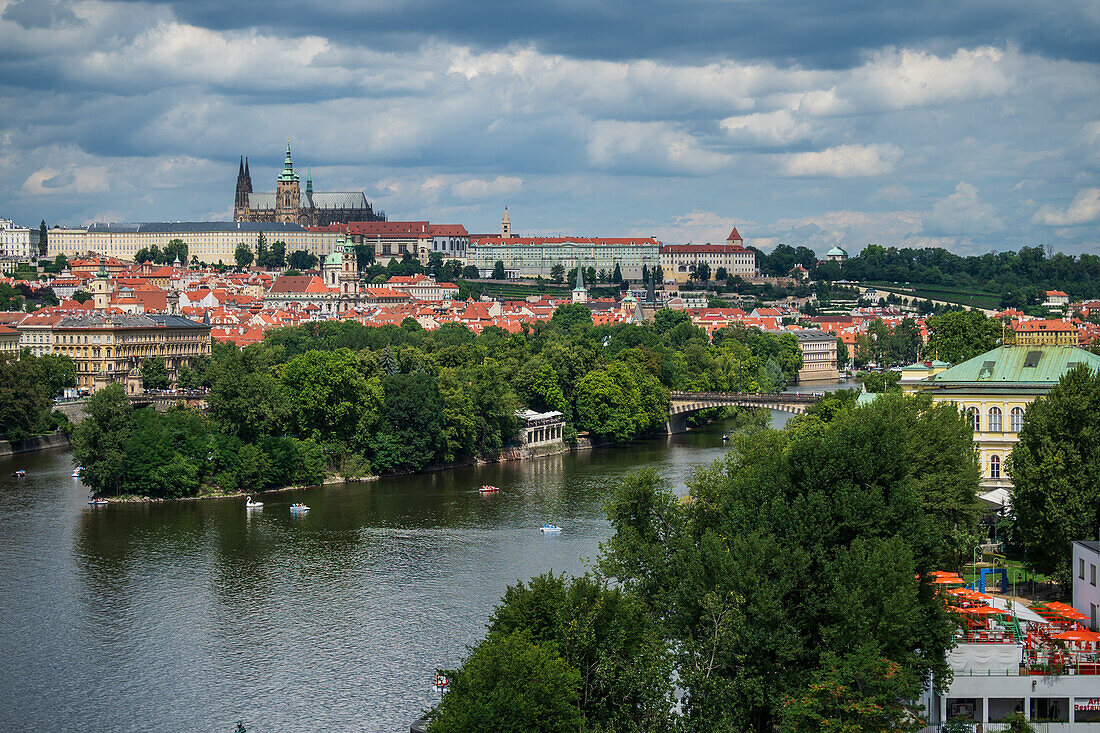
(681, 261)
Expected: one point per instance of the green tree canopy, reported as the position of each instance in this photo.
(1055, 467)
(960, 335)
(154, 374)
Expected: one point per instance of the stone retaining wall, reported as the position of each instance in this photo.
(36, 443)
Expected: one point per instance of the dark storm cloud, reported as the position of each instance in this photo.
(39, 13)
(820, 34)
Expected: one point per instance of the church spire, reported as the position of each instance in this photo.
(240, 170)
(309, 179)
(288, 173)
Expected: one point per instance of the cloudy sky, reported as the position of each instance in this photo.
(971, 125)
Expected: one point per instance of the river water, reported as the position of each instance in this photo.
(189, 616)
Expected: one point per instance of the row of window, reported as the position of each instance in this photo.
(994, 422)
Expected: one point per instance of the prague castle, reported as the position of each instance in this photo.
(291, 205)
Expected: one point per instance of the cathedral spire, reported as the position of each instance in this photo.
(240, 170)
(309, 179)
(288, 173)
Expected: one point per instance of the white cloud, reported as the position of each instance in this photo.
(1084, 209)
(962, 213)
(695, 226)
(766, 128)
(476, 188)
(911, 78)
(77, 179)
(843, 161)
(650, 146)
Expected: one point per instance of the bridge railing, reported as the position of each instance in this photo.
(745, 396)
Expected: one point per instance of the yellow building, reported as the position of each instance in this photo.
(994, 390)
(209, 241)
(110, 348)
(1062, 333)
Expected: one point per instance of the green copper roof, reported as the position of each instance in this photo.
(288, 173)
(835, 251)
(1017, 364)
(919, 366)
(334, 258)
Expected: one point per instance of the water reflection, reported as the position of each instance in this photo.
(191, 615)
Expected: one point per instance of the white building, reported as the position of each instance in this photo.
(680, 261)
(17, 243)
(451, 239)
(1086, 593)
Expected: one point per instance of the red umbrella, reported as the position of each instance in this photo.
(1077, 636)
(979, 610)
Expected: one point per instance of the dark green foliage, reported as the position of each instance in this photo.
(243, 256)
(410, 431)
(881, 381)
(154, 374)
(1055, 467)
(498, 271)
(617, 673)
(573, 314)
(28, 385)
(960, 335)
(302, 260)
(786, 584)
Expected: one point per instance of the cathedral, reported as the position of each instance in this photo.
(289, 204)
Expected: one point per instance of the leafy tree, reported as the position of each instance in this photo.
(10, 298)
(513, 685)
(557, 273)
(702, 272)
(470, 272)
(60, 263)
(722, 274)
(300, 259)
(570, 315)
(100, 438)
(410, 432)
(82, 296)
(498, 271)
(961, 335)
(841, 352)
(619, 403)
(327, 396)
(1055, 467)
(175, 249)
(881, 381)
(786, 586)
(243, 255)
(262, 254)
(154, 374)
(43, 239)
(666, 319)
(435, 265)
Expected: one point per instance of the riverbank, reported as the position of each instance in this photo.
(34, 443)
(506, 456)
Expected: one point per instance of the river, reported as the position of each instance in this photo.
(189, 616)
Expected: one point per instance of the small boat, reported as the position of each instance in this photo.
(19, 474)
(299, 507)
(725, 436)
(487, 489)
(252, 504)
(97, 502)
(78, 472)
(550, 528)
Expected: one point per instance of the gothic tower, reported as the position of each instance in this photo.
(505, 226)
(244, 187)
(287, 194)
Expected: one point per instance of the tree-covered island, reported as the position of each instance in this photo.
(339, 398)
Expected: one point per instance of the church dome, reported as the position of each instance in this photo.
(334, 258)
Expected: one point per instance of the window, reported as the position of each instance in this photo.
(994, 467)
(1092, 575)
(975, 418)
(1081, 568)
(995, 419)
(1016, 419)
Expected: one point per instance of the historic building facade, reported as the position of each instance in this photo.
(289, 204)
(993, 390)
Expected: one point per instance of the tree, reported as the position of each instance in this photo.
(498, 271)
(1055, 467)
(302, 260)
(154, 374)
(60, 263)
(557, 273)
(618, 403)
(722, 274)
(702, 272)
(10, 298)
(82, 296)
(511, 684)
(435, 265)
(243, 255)
(100, 438)
(666, 319)
(327, 396)
(410, 432)
(815, 532)
(841, 353)
(960, 335)
(175, 249)
(262, 254)
(571, 314)
(470, 272)
(143, 255)
(43, 239)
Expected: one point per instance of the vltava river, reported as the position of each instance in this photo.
(189, 616)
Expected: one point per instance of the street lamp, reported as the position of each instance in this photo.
(974, 565)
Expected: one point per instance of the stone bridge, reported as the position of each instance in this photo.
(74, 408)
(683, 404)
